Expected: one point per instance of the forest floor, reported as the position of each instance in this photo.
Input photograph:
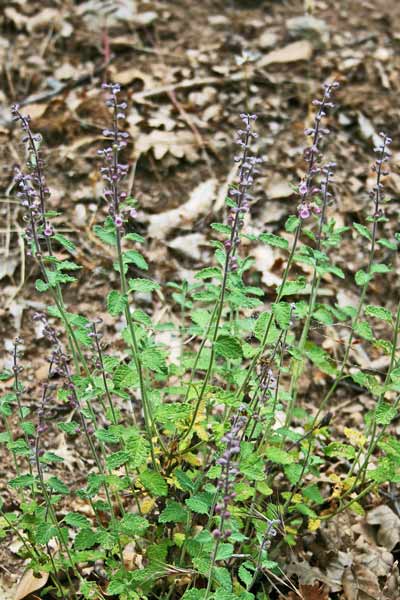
(187, 69)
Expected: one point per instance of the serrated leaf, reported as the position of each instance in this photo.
(85, 538)
(364, 330)
(292, 223)
(154, 483)
(154, 360)
(292, 287)
(208, 273)
(197, 505)
(224, 552)
(133, 524)
(116, 459)
(340, 450)
(77, 520)
(65, 242)
(385, 413)
(279, 456)
(136, 258)
(388, 244)
(274, 240)
(228, 347)
(44, 532)
(380, 268)
(116, 303)
(41, 286)
(281, 312)
(143, 285)
(361, 277)
(221, 228)
(173, 513)
(378, 312)
(362, 230)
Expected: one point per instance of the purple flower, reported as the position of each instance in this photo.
(303, 189)
(304, 211)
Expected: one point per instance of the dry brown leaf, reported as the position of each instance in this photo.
(310, 592)
(180, 144)
(29, 583)
(293, 52)
(129, 75)
(359, 583)
(199, 203)
(388, 534)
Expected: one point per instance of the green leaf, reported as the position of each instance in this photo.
(281, 312)
(116, 303)
(136, 258)
(85, 538)
(58, 486)
(364, 330)
(116, 459)
(107, 233)
(154, 483)
(198, 505)
(274, 240)
(378, 312)
(279, 456)
(76, 520)
(245, 575)
(143, 285)
(41, 286)
(65, 242)
(292, 287)
(134, 237)
(173, 513)
(385, 413)
(224, 552)
(387, 244)
(44, 532)
(133, 524)
(380, 268)
(362, 230)
(340, 450)
(208, 273)
(361, 277)
(22, 481)
(292, 223)
(154, 360)
(228, 347)
(221, 228)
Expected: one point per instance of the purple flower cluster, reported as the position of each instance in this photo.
(33, 190)
(240, 193)
(379, 167)
(228, 475)
(307, 189)
(114, 171)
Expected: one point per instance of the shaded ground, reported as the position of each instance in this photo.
(181, 67)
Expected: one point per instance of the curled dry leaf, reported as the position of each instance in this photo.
(29, 583)
(388, 534)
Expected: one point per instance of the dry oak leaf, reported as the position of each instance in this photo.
(179, 144)
(310, 592)
(360, 583)
(30, 583)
